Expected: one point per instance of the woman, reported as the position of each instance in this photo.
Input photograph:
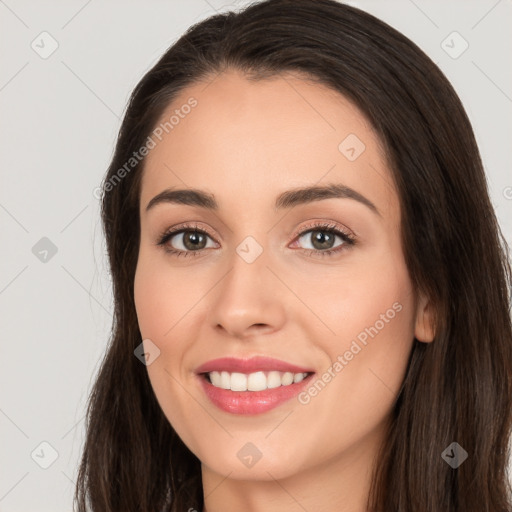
(311, 288)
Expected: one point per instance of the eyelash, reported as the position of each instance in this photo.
(348, 239)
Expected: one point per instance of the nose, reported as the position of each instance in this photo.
(249, 300)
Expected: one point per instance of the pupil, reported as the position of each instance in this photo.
(193, 240)
(324, 240)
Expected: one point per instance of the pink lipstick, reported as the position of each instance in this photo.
(280, 380)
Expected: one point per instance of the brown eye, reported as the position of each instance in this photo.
(188, 240)
(185, 240)
(320, 240)
(193, 240)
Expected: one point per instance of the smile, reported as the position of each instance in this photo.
(251, 385)
(257, 381)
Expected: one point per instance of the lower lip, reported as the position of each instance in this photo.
(251, 402)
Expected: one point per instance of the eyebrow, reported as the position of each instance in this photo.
(287, 199)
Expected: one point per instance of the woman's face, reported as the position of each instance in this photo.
(256, 277)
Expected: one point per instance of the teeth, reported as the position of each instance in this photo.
(257, 381)
(225, 380)
(274, 380)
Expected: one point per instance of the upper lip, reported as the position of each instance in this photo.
(254, 364)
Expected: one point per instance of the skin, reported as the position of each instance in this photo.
(274, 135)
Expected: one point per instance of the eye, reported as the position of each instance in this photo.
(190, 240)
(322, 238)
(186, 240)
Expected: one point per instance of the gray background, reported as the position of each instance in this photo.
(59, 120)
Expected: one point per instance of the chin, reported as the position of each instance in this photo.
(240, 466)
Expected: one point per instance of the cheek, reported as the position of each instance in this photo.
(371, 290)
(162, 300)
(162, 296)
(149, 301)
(370, 315)
(169, 311)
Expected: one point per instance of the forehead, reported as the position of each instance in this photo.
(250, 140)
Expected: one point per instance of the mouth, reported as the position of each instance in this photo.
(251, 385)
(253, 393)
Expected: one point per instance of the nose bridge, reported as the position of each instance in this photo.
(247, 294)
(249, 272)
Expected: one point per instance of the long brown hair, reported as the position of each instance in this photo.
(457, 388)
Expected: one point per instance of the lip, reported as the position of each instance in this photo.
(254, 364)
(251, 402)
